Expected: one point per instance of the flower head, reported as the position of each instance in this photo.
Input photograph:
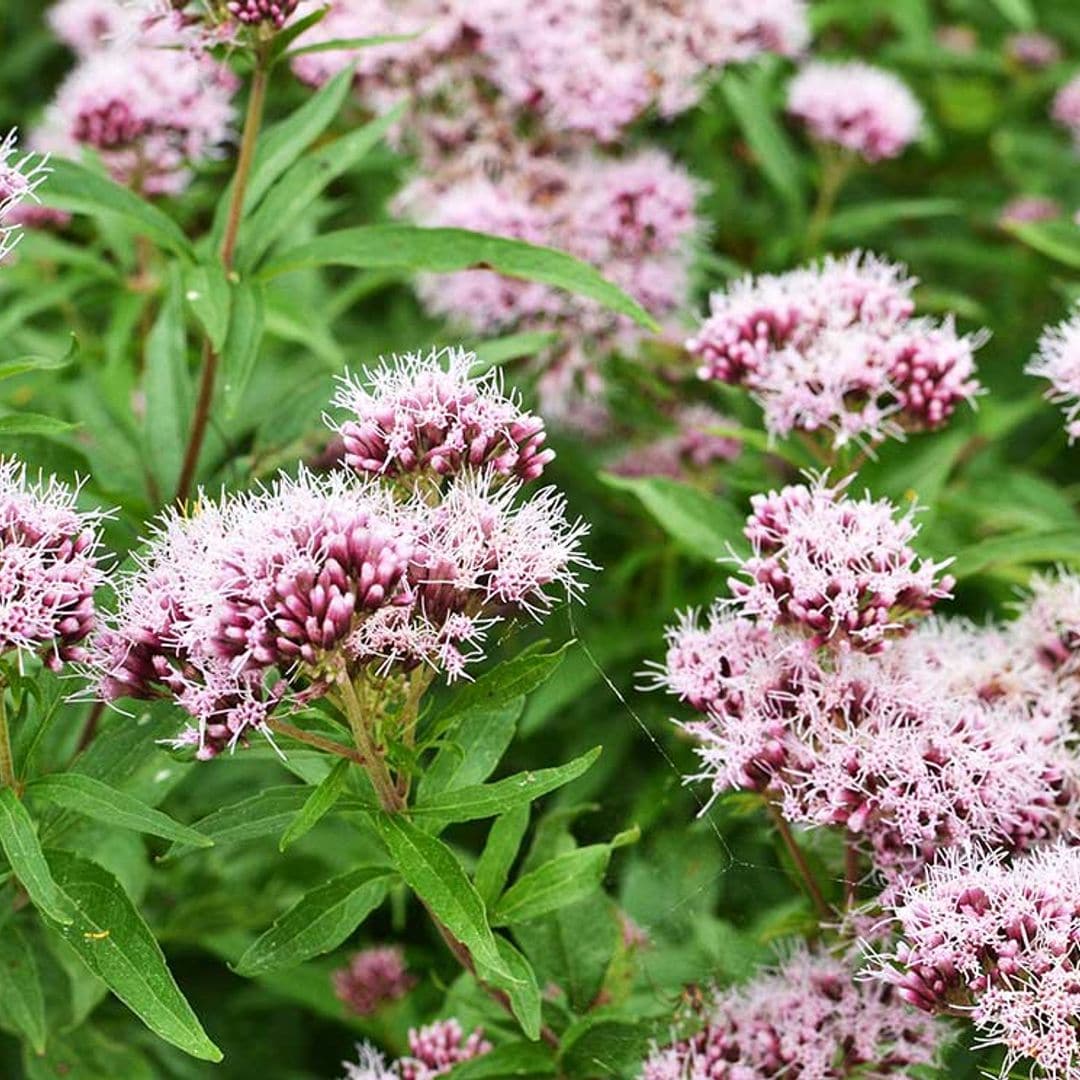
(50, 567)
(150, 109)
(857, 107)
(692, 447)
(255, 12)
(792, 1022)
(1033, 49)
(19, 179)
(370, 1065)
(840, 570)
(420, 414)
(373, 978)
(85, 26)
(1058, 361)
(438, 1047)
(1066, 108)
(998, 942)
(1028, 208)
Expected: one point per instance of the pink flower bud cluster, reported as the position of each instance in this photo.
(691, 449)
(1000, 943)
(1028, 208)
(281, 593)
(143, 96)
(1033, 50)
(841, 571)
(859, 108)
(426, 414)
(255, 12)
(373, 978)
(1058, 361)
(808, 1020)
(50, 565)
(1066, 108)
(433, 1050)
(834, 347)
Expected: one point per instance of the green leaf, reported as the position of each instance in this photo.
(318, 803)
(498, 351)
(372, 247)
(507, 1062)
(704, 525)
(267, 813)
(20, 844)
(280, 145)
(561, 881)
(337, 44)
(82, 191)
(312, 174)
(1058, 545)
(604, 1045)
(432, 871)
(513, 678)
(318, 922)
(521, 989)
(488, 800)
(290, 32)
(27, 423)
(480, 741)
(25, 364)
(243, 342)
(1019, 12)
(206, 289)
(99, 801)
(22, 1003)
(755, 116)
(500, 851)
(168, 389)
(116, 945)
(858, 222)
(1059, 240)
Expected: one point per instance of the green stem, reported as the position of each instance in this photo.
(7, 761)
(374, 761)
(331, 746)
(210, 360)
(802, 867)
(835, 170)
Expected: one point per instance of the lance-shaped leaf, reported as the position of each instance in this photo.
(93, 799)
(318, 922)
(432, 871)
(510, 1061)
(318, 803)
(20, 843)
(112, 940)
(522, 989)
(490, 800)
(408, 247)
(22, 1002)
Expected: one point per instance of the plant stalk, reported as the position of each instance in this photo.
(7, 761)
(331, 746)
(835, 170)
(210, 360)
(802, 867)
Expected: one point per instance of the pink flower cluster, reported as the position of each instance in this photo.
(999, 943)
(1033, 50)
(20, 176)
(255, 12)
(835, 348)
(1066, 108)
(857, 107)
(954, 735)
(50, 565)
(317, 580)
(433, 1050)
(1058, 361)
(807, 1020)
(840, 571)
(373, 978)
(693, 447)
(143, 95)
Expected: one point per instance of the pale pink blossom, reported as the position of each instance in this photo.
(692, 447)
(372, 979)
(85, 26)
(370, 1065)
(255, 12)
(20, 177)
(1033, 49)
(1028, 208)
(997, 942)
(152, 113)
(438, 1047)
(1058, 361)
(50, 566)
(426, 414)
(857, 107)
(1066, 108)
(809, 1019)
